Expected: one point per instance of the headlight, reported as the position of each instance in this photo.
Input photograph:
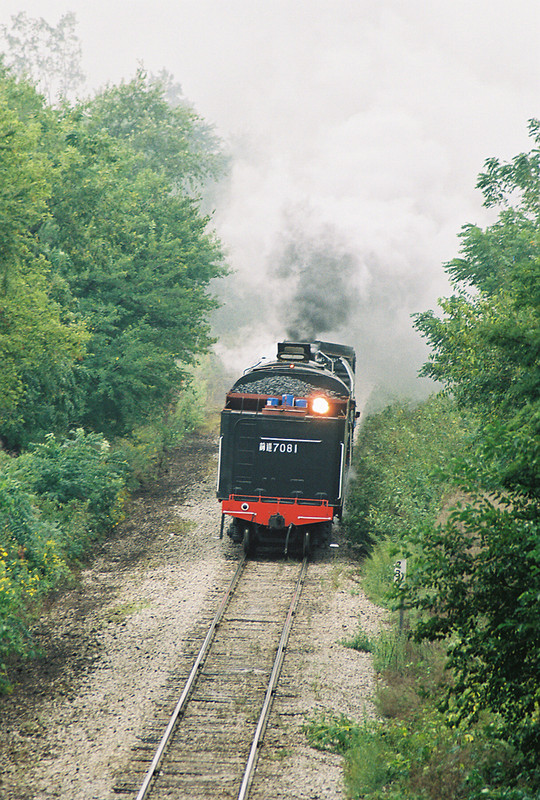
(320, 405)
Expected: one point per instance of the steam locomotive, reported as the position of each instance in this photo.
(285, 446)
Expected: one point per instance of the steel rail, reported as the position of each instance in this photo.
(182, 702)
(272, 683)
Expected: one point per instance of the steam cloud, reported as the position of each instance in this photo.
(359, 134)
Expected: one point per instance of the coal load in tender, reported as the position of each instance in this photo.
(283, 384)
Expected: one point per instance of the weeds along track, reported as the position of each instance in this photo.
(209, 746)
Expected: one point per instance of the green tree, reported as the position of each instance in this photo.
(151, 115)
(479, 575)
(37, 342)
(138, 257)
(97, 231)
(486, 346)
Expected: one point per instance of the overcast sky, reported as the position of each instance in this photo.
(358, 130)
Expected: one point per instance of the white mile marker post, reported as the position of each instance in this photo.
(400, 571)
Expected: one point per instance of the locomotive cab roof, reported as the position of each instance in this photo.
(316, 351)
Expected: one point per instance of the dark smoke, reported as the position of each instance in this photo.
(321, 272)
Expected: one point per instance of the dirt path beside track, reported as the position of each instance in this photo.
(110, 644)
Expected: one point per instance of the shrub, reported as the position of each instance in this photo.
(79, 468)
(143, 451)
(412, 751)
(190, 411)
(477, 584)
(31, 562)
(464, 727)
(54, 501)
(378, 571)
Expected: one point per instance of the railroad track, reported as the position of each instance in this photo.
(209, 747)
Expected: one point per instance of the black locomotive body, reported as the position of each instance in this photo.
(286, 444)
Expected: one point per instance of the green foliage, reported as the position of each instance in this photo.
(80, 467)
(486, 347)
(433, 741)
(23, 180)
(38, 349)
(54, 502)
(391, 648)
(421, 758)
(144, 451)
(38, 343)
(106, 258)
(30, 563)
(478, 575)
(411, 752)
(105, 264)
(137, 258)
(462, 720)
(391, 651)
(479, 580)
(27, 540)
(398, 452)
(151, 115)
(378, 571)
(147, 445)
(333, 732)
(516, 183)
(191, 409)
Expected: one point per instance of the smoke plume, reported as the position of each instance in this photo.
(320, 272)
